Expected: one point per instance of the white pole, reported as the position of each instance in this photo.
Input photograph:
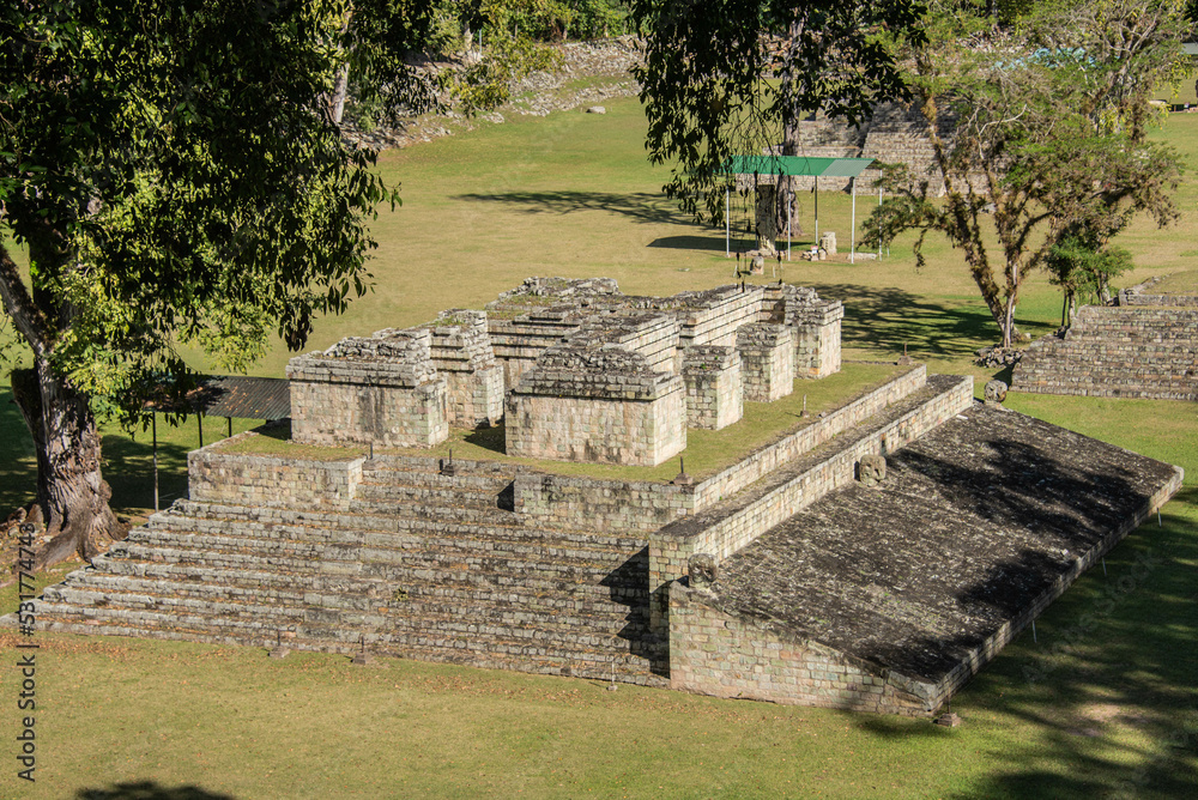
(817, 211)
(789, 199)
(727, 222)
(853, 227)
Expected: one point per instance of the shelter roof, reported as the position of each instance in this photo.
(797, 166)
(233, 396)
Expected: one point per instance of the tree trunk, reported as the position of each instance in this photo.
(340, 90)
(788, 206)
(72, 495)
(766, 228)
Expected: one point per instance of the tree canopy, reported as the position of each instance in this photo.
(727, 78)
(1038, 130)
(174, 172)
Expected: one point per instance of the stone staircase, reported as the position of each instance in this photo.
(1125, 351)
(418, 564)
(392, 555)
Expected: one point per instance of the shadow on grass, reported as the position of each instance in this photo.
(1108, 687)
(149, 790)
(886, 319)
(711, 243)
(493, 438)
(18, 463)
(128, 464)
(639, 206)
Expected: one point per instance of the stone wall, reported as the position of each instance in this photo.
(1144, 295)
(713, 317)
(816, 324)
(384, 390)
(634, 507)
(724, 529)
(768, 459)
(461, 352)
(714, 387)
(894, 134)
(718, 654)
(216, 477)
(1126, 351)
(767, 357)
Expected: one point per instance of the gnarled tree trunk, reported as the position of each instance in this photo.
(71, 493)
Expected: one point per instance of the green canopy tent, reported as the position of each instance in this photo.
(796, 166)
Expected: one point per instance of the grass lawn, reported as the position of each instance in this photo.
(1102, 703)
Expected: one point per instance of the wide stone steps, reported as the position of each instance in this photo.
(526, 647)
(340, 526)
(139, 591)
(427, 569)
(365, 612)
(458, 542)
(420, 565)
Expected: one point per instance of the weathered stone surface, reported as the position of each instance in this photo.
(995, 392)
(714, 387)
(864, 594)
(899, 594)
(1124, 351)
(767, 361)
(702, 570)
(383, 389)
(871, 469)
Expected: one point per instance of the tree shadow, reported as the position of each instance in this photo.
(18, 462)
(149, 790)
(1107, 683)
(888, 319)
(129, 469)
(641, 207)
(711, 243)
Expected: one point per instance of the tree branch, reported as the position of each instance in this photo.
(18, 304)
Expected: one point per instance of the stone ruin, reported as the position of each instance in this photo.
(1145, 346)
(872, 557)
(589, 374)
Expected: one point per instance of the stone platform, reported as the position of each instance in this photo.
(500, 565)
(1131, 350)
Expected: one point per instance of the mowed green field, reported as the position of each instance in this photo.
(1101, 703)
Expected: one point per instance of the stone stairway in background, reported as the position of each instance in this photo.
(394, 570)
(1123, 351)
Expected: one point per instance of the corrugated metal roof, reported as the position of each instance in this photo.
(233, 396)
(246, 398)
(797, 165)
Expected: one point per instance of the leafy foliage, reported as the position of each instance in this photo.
(727, 78)
(1084, 269)
(176, 178)
(1038, 133)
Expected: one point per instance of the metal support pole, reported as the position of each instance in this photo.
(817, 211)
(200, 422)
(154, 429)
(789, 200)
(879, 206)
(853, 226)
